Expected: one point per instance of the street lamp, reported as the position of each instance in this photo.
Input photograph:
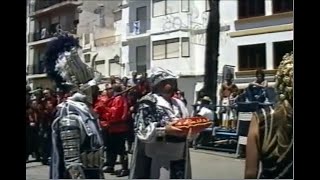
(117, 60)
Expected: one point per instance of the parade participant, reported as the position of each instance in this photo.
(132, 99)
(48, 96)
(125, 81)
(113, 80)
(228, 92)
(45, 130)
(183, 98)
(142, 85)
(28, 89)
(270, 137)
(33, 121)
(115, 118)
(77, 145)
(133, 81)
(62, 96)
(161, 150)
(100, 107)
(180, 95)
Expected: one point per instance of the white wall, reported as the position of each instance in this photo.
(170, 22)
(125, 60)
(107, 53)
(228, 13)
(181, 65)
(198, 57)
(229, 49)
(106, 41)
(123, 24)
(196, 18)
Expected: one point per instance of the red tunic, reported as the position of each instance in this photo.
(117, 115)
(113, 113)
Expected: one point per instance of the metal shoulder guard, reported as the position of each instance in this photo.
(148, 99)
(70, 134)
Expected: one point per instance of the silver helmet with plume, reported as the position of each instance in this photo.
(65, 67)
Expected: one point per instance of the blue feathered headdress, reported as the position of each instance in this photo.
(63, 43)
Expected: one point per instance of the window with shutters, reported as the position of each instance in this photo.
(172, 6)
(86, 38)
(159, 50)
(279, 50)
(252, 57)
(159, 8)
(141, 55)
(166, 49)
(185, 5)
(279, 6)
(118, 15)
(164, 7)
(172, 48)
(87, 58)
(251, 8)
(185, 47)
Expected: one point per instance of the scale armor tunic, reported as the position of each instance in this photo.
(275, 165)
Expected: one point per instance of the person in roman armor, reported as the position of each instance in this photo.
(161, 150)
(77, 145)
(270, 137)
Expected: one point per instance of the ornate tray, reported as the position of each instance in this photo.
(193, 125)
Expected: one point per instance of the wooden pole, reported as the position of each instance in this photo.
(212, 51)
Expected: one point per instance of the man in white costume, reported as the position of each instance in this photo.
(161, 150)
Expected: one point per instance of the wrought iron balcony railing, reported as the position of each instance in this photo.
(36, 69)
(39, 5)
(47, 33)
(138, 27)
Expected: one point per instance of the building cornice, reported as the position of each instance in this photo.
(264, 30)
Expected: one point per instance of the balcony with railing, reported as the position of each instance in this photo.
(36, 69)
(139, 27)
(45, 6)
(46, 33)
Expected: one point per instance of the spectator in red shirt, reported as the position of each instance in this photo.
(117, 128)
(113, 112)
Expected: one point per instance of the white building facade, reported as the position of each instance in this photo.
(172, 35)
(168, 34)
(136, 35)
(100, 38)
(255, 34)
(44, 19)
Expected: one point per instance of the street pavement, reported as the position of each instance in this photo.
(205, 165)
